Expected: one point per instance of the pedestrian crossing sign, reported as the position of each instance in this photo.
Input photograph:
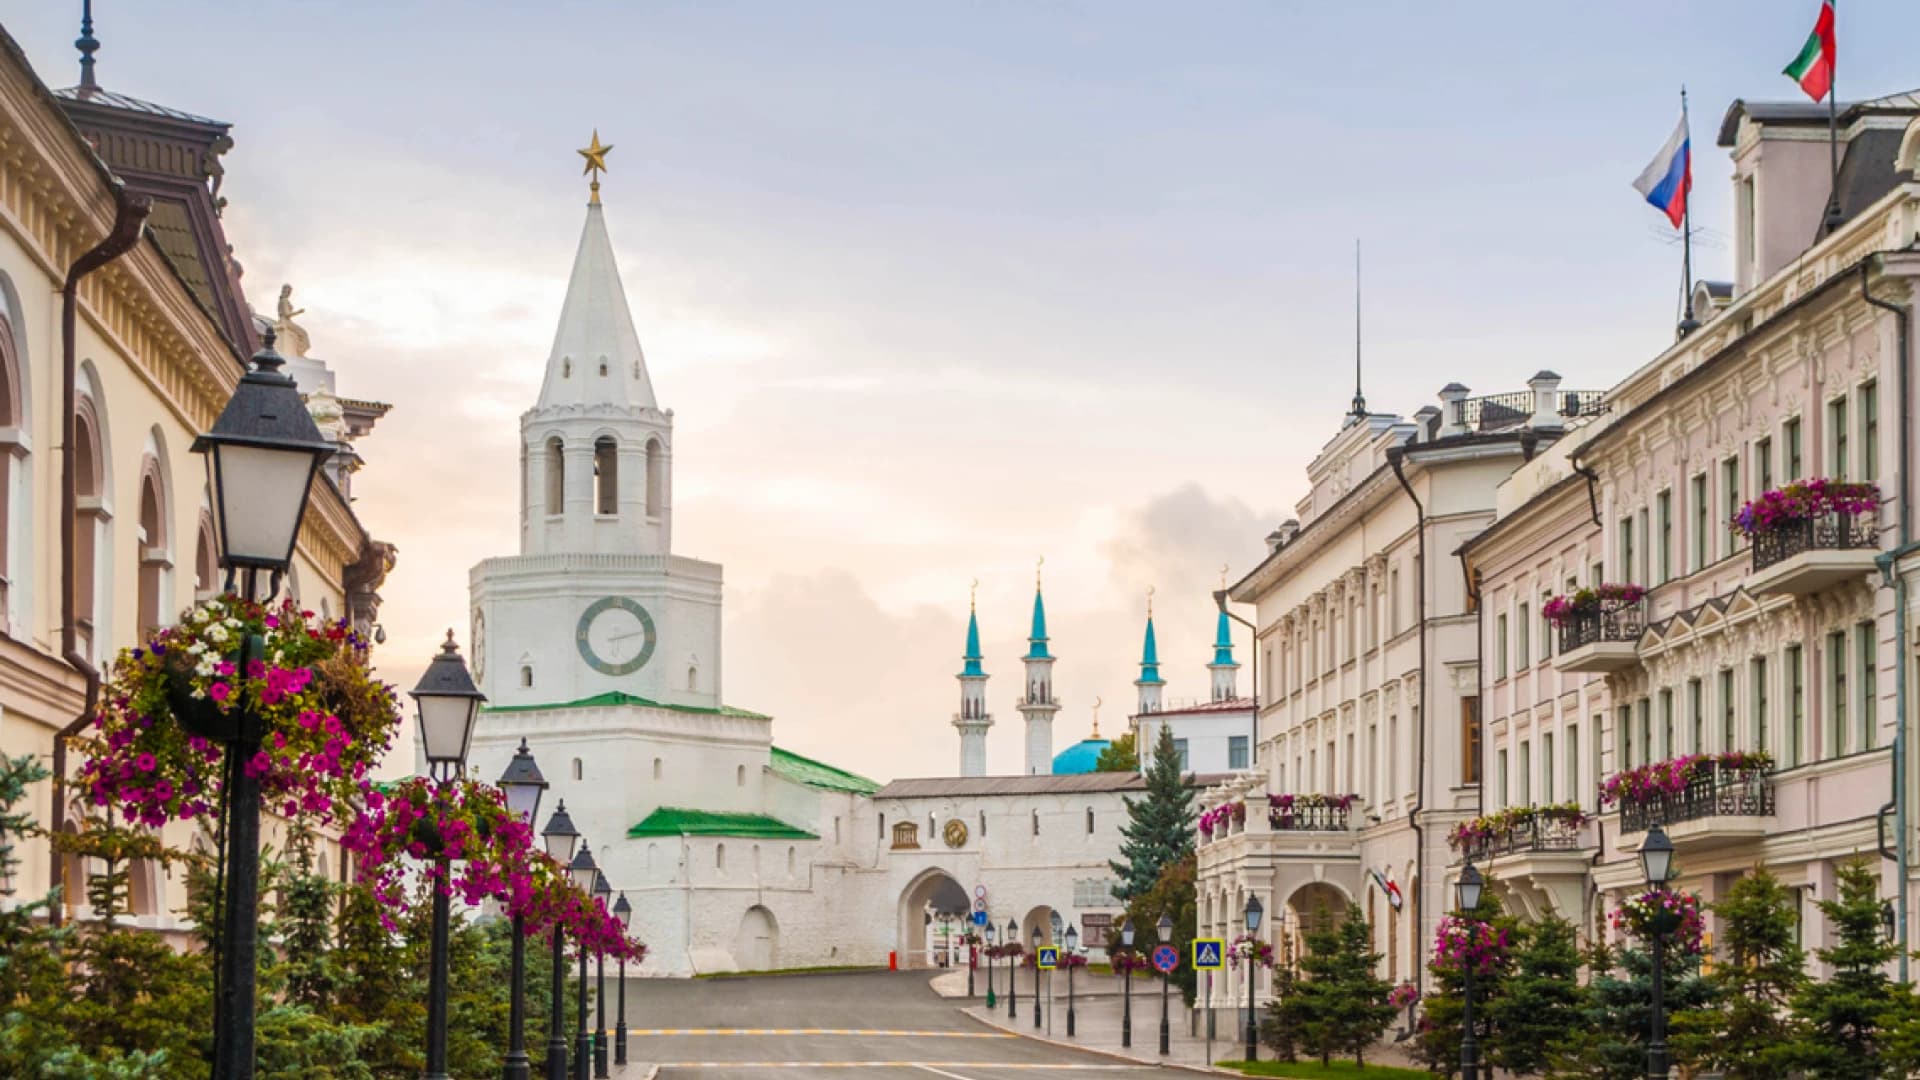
(1209, 954)
(1047, 957)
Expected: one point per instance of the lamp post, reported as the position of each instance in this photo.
(1036, 977)
(561, 838)
(584, 872)
(1165, 926)
(1013, 984)
(623, 912)
(1126, 977)
(1467, 891)
(1073, 944)
(261, 453)
(523, 786)
(448, 704)
(1254, 911)
(992, 934)
(601, 892)
(972, 961)
(1656, 859)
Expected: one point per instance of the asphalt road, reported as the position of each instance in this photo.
(870, 1025)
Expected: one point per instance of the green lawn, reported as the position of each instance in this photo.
(1313, 1070)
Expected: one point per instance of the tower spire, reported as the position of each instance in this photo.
(1359, 410)
(1037, 705)
(1037, 636)
(88, 45)
(1149, 683)
(596, 156)
(973, 720)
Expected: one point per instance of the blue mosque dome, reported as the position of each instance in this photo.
(1080, 757)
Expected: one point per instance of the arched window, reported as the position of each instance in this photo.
(983, 823)
(579, 769)
(792, 861)
(14, 502)
(155, 549)
(603, 369)
(656, 477)
(719, 856)
(1089, 821)
(883, 826)
(1036, 823)
(693, 677)
(526, 675)
(606, 475)
(89, 519)
(556, 477)
(740, 776)
(656, 768)
(206, 557)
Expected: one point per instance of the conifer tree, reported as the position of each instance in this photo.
(1747, 1034)
(1119, 756)
(1344, 1005)
(32, 979)
(1281, 1029)
(1176, 896)
(1847, 1018)
(1610, 1043)
(1442, 1010)
(1540, 1001)
(302, 929)
(1159, 828)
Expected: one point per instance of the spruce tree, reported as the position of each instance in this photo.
(33, 985)
(1119, 756)
(1344, 1005)
(1847, 1018)
(1539, 1002)
(1610, 1043)
(1159, 828)
(1747, 1034)
(1443, 1009)
(1281, 1029)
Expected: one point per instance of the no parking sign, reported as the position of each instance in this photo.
(1165, 959)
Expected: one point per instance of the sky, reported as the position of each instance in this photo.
(936, 290)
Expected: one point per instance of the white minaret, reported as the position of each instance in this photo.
(973, 720)
(1225, 670)
(1037, 705)
(1149, 683)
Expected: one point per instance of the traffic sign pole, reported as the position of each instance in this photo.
(1209, 1019)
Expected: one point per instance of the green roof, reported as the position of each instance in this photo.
(617, 697)
(819, 774)
(676, 821)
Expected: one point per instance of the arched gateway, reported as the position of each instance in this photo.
(933, 914)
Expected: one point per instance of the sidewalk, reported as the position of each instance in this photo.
(1098, 1008)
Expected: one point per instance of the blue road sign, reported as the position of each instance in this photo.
(979, 918)
(1165, 958)
(1209, 954)
(1048, 957)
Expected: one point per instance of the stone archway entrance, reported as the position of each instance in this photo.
(1313, 908)
(932, 918)
(756, 945)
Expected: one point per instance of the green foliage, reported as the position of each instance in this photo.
(1283, 1028)
(1344, 1004)
(1443, 1009)
(1172, 894)
(1119, 756)
(1313, 1070)
(33, 980)
(1159, 828)
(1617, 1020)
(1847, 1019)
(1540, 999)
(296, 1043)
(304, 970)
(381, 984)
(1746, 1033)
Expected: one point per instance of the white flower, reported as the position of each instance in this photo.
(218, 634)
(197, 648)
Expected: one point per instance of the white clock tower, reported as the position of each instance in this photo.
(596, 602)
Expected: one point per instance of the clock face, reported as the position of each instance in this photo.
(615, 636)
(955, 833)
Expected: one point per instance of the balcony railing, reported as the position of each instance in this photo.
(1498, 412)
(1298, 818)
(1719, 791)
(1591, 627)
(1828, 532)
(1540, 833)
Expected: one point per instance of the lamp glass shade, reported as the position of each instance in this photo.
(583, 870)
(1013, 932)
(602, 890)
(1165, 927)
(1126, 934)
(448, 703)
(623, 911)
(1254, 912)
(1656, 856)
(523, 785)
(1072, 938)
(560, 835)
(1469, 887)
(1036, 936)
(992, 934)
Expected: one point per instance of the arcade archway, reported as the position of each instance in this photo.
(933, 915)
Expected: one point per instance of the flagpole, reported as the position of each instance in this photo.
(1688, 324)
(1833, 125)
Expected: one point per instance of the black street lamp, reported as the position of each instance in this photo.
(1467, 891)
(1036, 977)
(992, 934)
(1126, 979)
(561, 838)
(1656, 858)
(1165, 926)
(523, 786)
(1254, 911)
(623, 912)
(1013, 986)
(973, 954)
(448, 704)
(601, 892)
(1073, 944)
(584, 873)
(261, 456)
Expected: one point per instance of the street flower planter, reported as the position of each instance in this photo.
(1692, 788)
(1810, 535)
(1599, 627)
(1309, 813)
(1519, 829)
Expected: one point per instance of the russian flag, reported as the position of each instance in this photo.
(1669, 176)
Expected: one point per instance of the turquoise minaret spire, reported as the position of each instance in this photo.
(1149, 682)
(1037, 637)
(1038, 706)
(972, 720)
(1224, 668)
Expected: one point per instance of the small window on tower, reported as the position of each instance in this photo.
(606, 475)
(740, 776)
(693, 677)
(579, 769)
(1089, 821)
(566, 367)
(603, 369)
(1036, 823)
(526, 675)
(656, 768)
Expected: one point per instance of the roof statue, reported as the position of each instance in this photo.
(596, 156)
(292, 335)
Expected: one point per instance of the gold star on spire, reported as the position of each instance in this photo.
(596, 156)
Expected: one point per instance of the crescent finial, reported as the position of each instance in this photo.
(973, 595)
(1149, 601)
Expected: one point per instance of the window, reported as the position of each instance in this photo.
(1393, 600)
(1646, 730)
(1596, 574)
(719, 856)
(1469, 740)
(90, 524)
(1761, 721)
(1666, 723)
(1373, 760)
(1180, 751)
(526, 675)
(883, 826)
(1697, 716)
(1237, 751)
(656, 768)
(1790, 435)
(1526, 773)
(1762, 465)
(1869, 648)
(1522, 650)
(1546, 767)
(579, 769)
(656, 478)
(1599, 748)
(1640, 570)
(556, 477)
(1625, 723)
(1796, 706)
(1500, 779)
(1837, 425)
(155, 558)
(1698, 541)
(1546, 628)
(1870, 431)
(739, 776)
(1500, 647)
(983, 822)
(1748, 210)
(1663, 549)
(1573, 760)
(1730, 500)
(1836, 737)
(606, 475)
(1036, 823)
(1089, 821)
(1625, 564)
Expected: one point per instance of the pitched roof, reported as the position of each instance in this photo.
(681, 821)
(990, 786)
(596, 327)
(616, 697)
(129, 103)
(819, 774)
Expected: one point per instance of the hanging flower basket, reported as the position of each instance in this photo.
(1672, 915)
(1460, 944)
(1404, 996)
(169, 707)
(488, 850)
(1126, 961)
(1247, 948)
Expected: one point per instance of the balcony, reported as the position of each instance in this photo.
(1600, 641)
(1300, 815)
(1807, 555)
(1720, 801)
(1542, 832)
(1540, 855)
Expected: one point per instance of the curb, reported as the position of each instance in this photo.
(1112, 1055)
